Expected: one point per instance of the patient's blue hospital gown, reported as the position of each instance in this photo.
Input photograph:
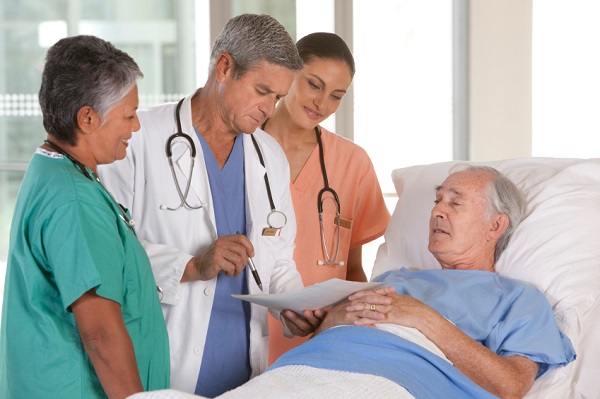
(508, 317)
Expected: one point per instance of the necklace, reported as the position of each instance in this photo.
(83, 169)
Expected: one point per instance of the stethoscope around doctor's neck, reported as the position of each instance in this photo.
(276, 220)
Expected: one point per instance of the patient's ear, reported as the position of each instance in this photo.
(497, 226)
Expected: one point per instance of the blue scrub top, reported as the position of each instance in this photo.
(226, 360)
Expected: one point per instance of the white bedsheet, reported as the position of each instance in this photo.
(302, 382)
(305, 382)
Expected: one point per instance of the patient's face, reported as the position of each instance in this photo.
(458, 226)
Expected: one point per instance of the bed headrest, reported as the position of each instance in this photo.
(557, 246)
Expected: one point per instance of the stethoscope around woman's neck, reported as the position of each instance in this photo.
(326, 189)
(329, 260)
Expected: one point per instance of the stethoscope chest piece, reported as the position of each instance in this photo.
(276, 219)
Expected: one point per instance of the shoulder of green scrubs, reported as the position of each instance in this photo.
(68, 238)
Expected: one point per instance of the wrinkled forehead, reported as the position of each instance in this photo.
(275, 77)
(468, 185)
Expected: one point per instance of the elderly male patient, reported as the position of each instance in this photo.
(497, 333)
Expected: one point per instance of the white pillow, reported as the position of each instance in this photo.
(556, 248)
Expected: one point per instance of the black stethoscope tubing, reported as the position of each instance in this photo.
(182, 195)
(327, 189)
(180, 133)
(275, 219)
(262, 162)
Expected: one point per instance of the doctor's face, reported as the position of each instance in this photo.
(248, 101)
(317, 91)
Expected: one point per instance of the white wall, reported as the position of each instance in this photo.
(500, 79)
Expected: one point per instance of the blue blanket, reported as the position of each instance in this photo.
(506, 316)
(367, 350)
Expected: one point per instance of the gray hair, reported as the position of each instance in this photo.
(79, 71)
(251, 38)
(503, 197)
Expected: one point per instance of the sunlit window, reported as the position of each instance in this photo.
(403, 83)
(156, 33)
(402, 88)
(565, 79)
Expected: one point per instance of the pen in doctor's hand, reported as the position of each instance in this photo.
(253, 270)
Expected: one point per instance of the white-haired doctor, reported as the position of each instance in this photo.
(200, 223)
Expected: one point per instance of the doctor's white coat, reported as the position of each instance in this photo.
(143, 182)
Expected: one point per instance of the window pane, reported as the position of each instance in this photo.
(115, 10)
(402, 90)
(283, 11)
(403, 83)
(565, 79)
(160, 35)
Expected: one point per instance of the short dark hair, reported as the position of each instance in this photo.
(83, 70)
(325, 45)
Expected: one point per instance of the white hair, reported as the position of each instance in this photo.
(503, 197)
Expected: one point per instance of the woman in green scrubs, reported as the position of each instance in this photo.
(81, 316)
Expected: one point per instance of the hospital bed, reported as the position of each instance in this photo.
(556, 248)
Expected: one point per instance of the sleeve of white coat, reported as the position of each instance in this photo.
(125, 180)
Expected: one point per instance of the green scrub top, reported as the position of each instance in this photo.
(67, 237)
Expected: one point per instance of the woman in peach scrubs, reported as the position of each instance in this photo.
(315, 94)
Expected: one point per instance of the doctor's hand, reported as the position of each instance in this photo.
(302, 325)
(228, 254)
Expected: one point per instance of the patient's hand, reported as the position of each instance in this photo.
(360, 305)
(403, 310)
(302, 325)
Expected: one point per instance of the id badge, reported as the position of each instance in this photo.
(343, 223)
(271, 232)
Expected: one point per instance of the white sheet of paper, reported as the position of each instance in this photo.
(312, 297)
